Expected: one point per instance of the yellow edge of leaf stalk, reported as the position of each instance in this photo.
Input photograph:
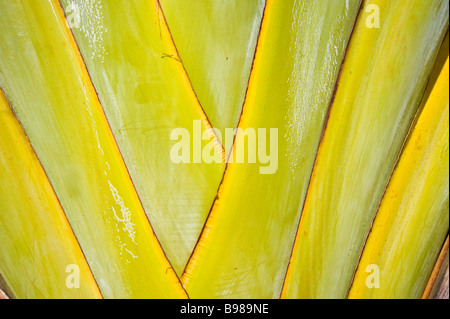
(437, 278)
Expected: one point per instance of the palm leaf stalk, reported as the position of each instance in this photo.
(346, 196)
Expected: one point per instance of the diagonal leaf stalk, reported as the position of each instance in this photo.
(438, 66)
(251, 228)
(44, 77)
(412, 221)
(382, 81)
(33, 226)
(151, 107)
